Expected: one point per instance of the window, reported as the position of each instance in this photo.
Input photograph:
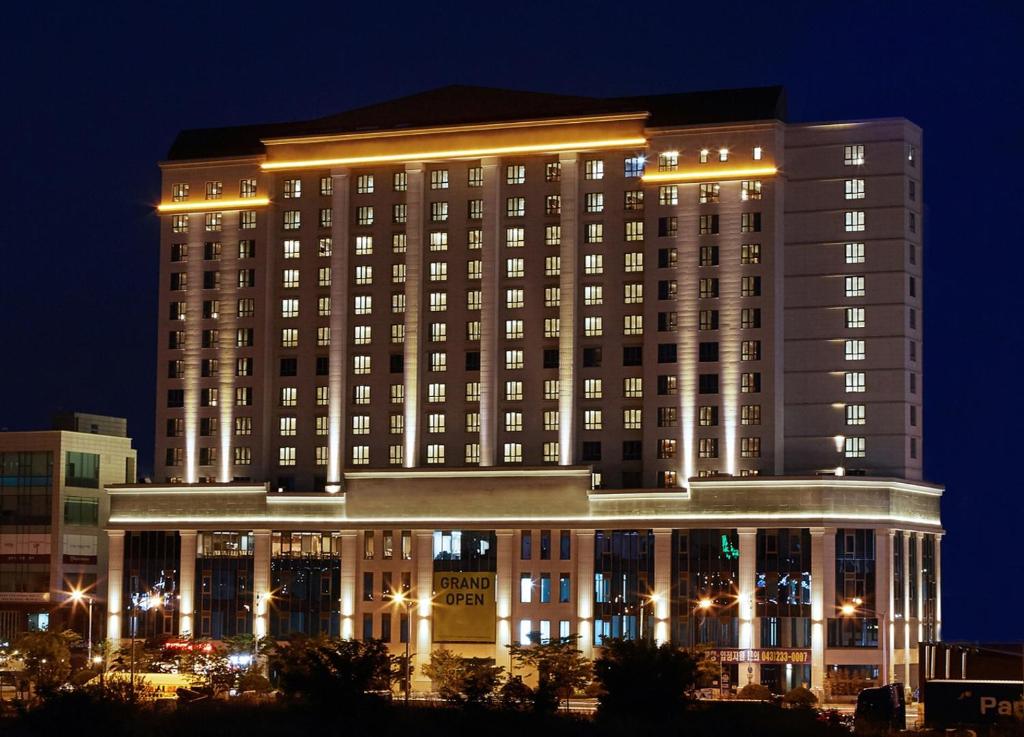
(758, 153)
(515, 174)
(592, 388)
(854, 447)
(553, 171)
(855, 381)
(593, 326)
(855, 317)
(595, 202)
(750, 350)
(436, 393)
(750, 286)
(439, 179)
(750, 414)
(707, 225)
(292, 188)
(364, 184)
(750, 382)
(668, 195)
(854, 189)
(854, 350)
(593, 169)
(435, 454)
(513, 329)
(853, 155)
(552, 265)
(856, 414)
(593, 294)
(633, 200)
(723, 154)
(327, 186)
(708, 193)
(552, 235)
(514, 268)
(631, 419)
(632, 324)
(668, 161)
(854, 221)
(708, 448)
(593, 263)
(854, 253)
(513, 422)
(634, 166)
(854, 286)
(514, 359)
(750, 190)
(633, 387)
(438, 301)
(514, 298)
(475, 209)
(750, 222)
(326, 217)
(515, 207)
(513, 391)
(364, 245)
(515, 237)
(475, 176)
(750, 447)
(286, 456)
(634, 230)
(247, 220)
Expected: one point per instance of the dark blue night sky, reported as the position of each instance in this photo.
(94, 93)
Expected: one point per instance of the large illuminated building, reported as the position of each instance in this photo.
(650, 364)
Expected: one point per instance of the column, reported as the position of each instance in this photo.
(503, 597)
(187, 583)
(883, 600)
(347, 598)
(568, 254)
(423, 591)
(490, 298)
(818, 565)
(906, 608)
(338, 367)
(227, 322)
(115, 584)
(413, 296)
(745, 600)
(919, 577)
(662, 595)
(193, 344)
(260, 582)
(585, 591)
(938, 588)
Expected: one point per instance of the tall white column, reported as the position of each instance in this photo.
(662, 594)
(490, 296)
(585, 591)
(260, 583)
(338, 367)
(115, 585)
(347, 594)
(919, 578)
(413, 297)
(503, 598)
(883, 600)
(906, 609)
(938, 587)
(568, 254)
(424, 594)
(745, 599)
(818, 622)
(227, 323)
(193, 344)
(187, 583)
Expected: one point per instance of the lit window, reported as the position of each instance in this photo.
(513, 421)
(854, 350)
(633, 261)
(513, 452)
(854, 189)
(758, 153)
(364, 275)
(551, 452)
(292, 188)
(289, 308)
(668, 195)
(854, 447)
(439, 179)
(365, 215)
(326, 186)
(514, 267)
(438, 271)
(750, 447)
(853, 155)
(514, 298)
(289, 338)
(364, 245)
(360, 424)
(552, 265)
(750, 414)
(292, 219)
(854, 253)
(632, 325)
(855, 317)
(593, 263)
(435, 454)
(750, 190)
(854, 286)
(633, 293)
(703, 156)
(360, 455)
(473, 330)
(709, 193)
(668, 161)
(595, 202)
(364, 184)
(856, 414)
(398, 273)
(553, 171)
(855, 381)
(397, 393)
(361, 364)
(593, 326)
(592, 389)
(363, 304)
(438, 332)
(593, 169)
(515, 237)
(360, 395)
(439, 240)
(475, 176)
(438, 301)
(515, 174)
(551, 388)
(436, 393)
(396, 455)
(438, 361)
(513, 329)
(723, 154)
(400, 181)
(631, 419)
(179, 192)
(514, 359)
(593, 294)
(323, 336)
(634, 230)
(633, 387)
(513, 391)
(473, 391)
(286, 456)
(214, 190)
(515, 206)
(436, 422)
(592, 419)
(552, 235)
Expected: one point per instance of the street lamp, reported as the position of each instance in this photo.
(78, 596)
(400, 598)
(653, 599)
(854, 607)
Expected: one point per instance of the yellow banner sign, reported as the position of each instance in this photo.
(464, 608)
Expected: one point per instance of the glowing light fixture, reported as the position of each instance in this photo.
(710, 174)
(213, 205)
(462, 153)
(705, 603)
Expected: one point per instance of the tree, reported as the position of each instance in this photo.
(47, 658)
(515, 694)
(561, 668)
(468, 681)
(754, 692)
(328, 672)
(800, 697)
(643, 678)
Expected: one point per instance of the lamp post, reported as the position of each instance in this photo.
(401, 598)
(79, 596)
(855, 607)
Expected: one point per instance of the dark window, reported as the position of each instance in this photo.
(525, 545)
(592, 450)
(709, 351)
(668, 226)
(667, 352)
(591, 357)
(564, 544)
(175, 397)
(632, 355)
(397, 363)
(667, 257)
(708, 384)
(289, 366)
(667, 384)
(323, 365)
(708, 256)
(632, 480)
(631, 450)
(82, 469)
(472, 360)
(210, 280)
(550, 358)
(545, 544)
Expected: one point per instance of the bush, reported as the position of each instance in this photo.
(800, 697)
(253, 682)
(326, 671)
(643, 678)
(754, 692)
(468, 681)
(515, 694)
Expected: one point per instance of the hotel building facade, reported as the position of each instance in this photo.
(650, 366)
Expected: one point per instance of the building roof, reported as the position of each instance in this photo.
(467, 105)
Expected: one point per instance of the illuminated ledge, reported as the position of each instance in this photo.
(709, 175)
(213, 205)
(466, 153)
(665, 495)
(471, 473)
(201, 489)
(317, 498)
(805, 482)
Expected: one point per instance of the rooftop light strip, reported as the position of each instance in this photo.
(213, 205)
(709, 175)
(462, 153)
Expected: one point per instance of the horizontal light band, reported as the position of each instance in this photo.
(213, 205)
(709, 175)
(463, 153)
(709, 517)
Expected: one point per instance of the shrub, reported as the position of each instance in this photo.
(643, 678)
(468, 681)
(754, 692)
(800, 697)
